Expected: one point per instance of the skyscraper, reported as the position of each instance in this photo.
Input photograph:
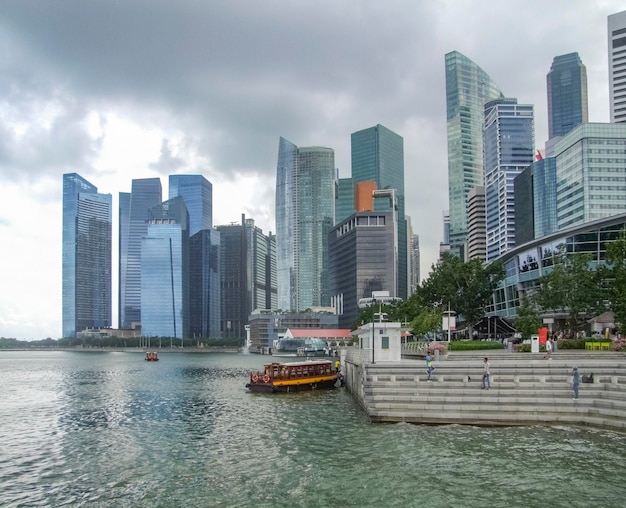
(86, 271)
(165, 271)
(305, 212)
(468, 87)
(197, 193)
(567, 94)
(378, 156)
(248, 274)
(509, 141)
(145, 194)
(617, 66)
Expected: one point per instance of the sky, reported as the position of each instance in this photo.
(121, 89)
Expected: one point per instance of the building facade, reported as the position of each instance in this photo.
(305, 213)
(197, 193)
(165, 271)
(509, 141)
(567, 94)
(248, 274)
(378, 156)
(617, 66)
(145, 194)
(468, 88)
(362, 260)
(86, 256)
(476, 224)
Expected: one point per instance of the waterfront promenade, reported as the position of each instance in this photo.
(526, 389)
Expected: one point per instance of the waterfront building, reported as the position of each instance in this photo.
(509, 140)
(204, 254)
(86, 256)
(590, 174)
(344, 199)
(248, 274)
(133, 209)
(535, 201)
(362, 260)
(165, 271)
(197, 193)
(567, 94)
(617, 66)
(378, 156)
(468, 88)
(266, 325)
(414, 257)
(305, 213)
(476, 224)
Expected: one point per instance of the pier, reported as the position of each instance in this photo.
(526, 389)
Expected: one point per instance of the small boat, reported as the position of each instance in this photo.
(294, 376)
(152, 356)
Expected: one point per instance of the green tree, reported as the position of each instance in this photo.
(528, 320)
(616, 276)
(572, 287)
(427, 321)
(465, 286)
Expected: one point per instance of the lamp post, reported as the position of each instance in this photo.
(373, 326)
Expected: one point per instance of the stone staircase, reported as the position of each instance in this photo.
(524, 390)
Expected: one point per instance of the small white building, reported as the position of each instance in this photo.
(387, 338)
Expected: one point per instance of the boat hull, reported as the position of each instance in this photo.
(301, 386)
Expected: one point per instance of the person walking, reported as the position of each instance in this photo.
(575, 381)
(429, 366)
(548, 349)
(486, 374)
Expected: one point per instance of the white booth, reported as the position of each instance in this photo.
(387, 338)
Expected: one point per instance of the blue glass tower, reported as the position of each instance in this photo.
(567, 94)
(305, 213)
(468, 88)
(509, 140)
(165, 271)
(197, 192)
(378, 156)
(145, 194)
(86, 286)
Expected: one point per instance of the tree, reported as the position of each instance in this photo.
(528, 320)
(428, 320)
(465, 286)
(616, 258)
(572, 287)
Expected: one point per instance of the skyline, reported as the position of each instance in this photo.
(119, 92)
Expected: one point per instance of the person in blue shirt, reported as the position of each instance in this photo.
(429, 366)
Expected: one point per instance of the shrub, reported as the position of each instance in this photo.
(438, 346)
(571, 344)
(474, 345)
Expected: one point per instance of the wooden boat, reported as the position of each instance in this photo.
(294, 376)
(152, 356)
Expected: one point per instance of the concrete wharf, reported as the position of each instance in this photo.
(526, 389)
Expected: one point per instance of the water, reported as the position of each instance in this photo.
(111, 430)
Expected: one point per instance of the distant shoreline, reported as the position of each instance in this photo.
(217, 349)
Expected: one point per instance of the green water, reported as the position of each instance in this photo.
(109, 429)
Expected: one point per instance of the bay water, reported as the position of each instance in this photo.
(109, 429)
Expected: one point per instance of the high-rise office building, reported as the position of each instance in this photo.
(362, 260)
(165, 271)
(509, 141)
(468, 88)
(378, 156)
(248, 274)
(305, 213)
(617, 66)
(567, 94)
(476, 224)
(197, 192)
(344, 199)
(204, 256)
(145, 194)
(414, 249)
(86, 256)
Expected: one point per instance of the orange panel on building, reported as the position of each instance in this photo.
(363, 200)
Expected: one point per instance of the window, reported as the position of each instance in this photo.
(384, 343)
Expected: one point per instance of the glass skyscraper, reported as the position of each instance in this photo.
(86, 257)
(378, 156)
(197, 192)
(567, 94)
(468, 88)
(509, 141)
(617, 66)
(145, 194)
(165, 271)
(305, 213)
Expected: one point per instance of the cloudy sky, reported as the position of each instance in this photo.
(116, 90)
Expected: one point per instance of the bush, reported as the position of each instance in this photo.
(474, 345)
(571, 343)
(438, 346)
